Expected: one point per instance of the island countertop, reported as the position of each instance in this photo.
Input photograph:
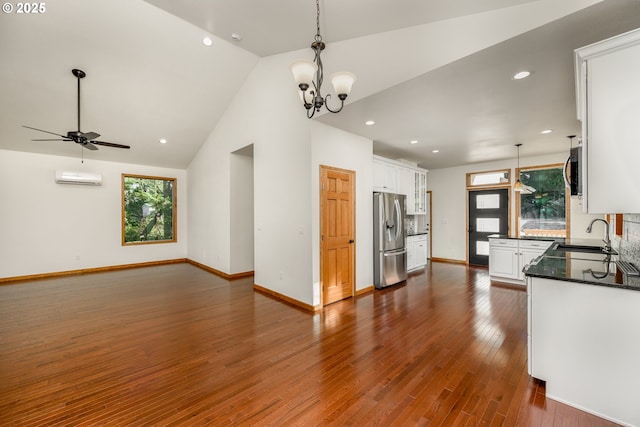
(582, 267)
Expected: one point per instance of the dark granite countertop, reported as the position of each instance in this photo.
(419, 233)
(581, 267)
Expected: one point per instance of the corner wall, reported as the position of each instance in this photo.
(336, 148)
(267, 113)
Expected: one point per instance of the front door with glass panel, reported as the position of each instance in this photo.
(488, 214)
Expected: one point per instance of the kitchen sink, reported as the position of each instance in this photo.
(582, 248)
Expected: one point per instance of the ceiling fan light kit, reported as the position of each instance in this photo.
(86, 140)
(310, 74)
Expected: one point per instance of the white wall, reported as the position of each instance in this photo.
(267, 113)
(448, 185)
(334, 147)
(242, 208)
(47, 227)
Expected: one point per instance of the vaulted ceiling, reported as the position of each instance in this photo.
(150, 77)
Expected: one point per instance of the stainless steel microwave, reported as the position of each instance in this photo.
(573, 171)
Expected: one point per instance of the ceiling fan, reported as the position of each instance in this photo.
(88, 139)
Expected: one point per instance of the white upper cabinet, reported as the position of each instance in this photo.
(608, 102)
(419, 190)
(384, 176)
(396, 177)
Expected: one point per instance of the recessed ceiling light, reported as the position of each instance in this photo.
(413, 142)
(163, 141)
(207, 41)
(546, 131)
(435, 151)
(235, 36)
(369, 123)
(521, 75)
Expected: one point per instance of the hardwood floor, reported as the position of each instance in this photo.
(176, 345)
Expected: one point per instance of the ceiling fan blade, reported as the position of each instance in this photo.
(89, 146)
(51, 139)
(110, 144)
(45, 131)
(90, 135)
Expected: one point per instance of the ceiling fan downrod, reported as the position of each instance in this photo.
(80, 75)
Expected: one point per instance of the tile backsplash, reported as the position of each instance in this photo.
(629, 244)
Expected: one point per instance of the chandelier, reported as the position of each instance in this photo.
(309, 74)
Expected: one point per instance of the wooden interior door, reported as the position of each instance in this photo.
(337, 234)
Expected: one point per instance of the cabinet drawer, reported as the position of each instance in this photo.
(535, 244)
(506, 243)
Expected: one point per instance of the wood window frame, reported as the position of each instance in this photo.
(567, 198)
(507, 171)
(174, 210)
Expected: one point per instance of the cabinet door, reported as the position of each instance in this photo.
(378, 176)
(405, 186)
(420, 192)
(421, 253)
(411, 254)
(526, 256)
(530, 250)
(610, 128)
(384, 177)
(503, 259)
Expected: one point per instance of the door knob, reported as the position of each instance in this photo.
(351, 241)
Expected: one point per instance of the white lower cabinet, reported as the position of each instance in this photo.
(416, 252)
(507, 257)
(583, 341)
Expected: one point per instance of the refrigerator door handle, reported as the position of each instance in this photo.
(395, 253)
(398, 217)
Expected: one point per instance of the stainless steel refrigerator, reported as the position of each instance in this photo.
(389, 243)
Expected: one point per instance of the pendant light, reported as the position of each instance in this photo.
(304, 72)
(519, 186)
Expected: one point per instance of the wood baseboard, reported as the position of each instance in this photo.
(450, 261)
(365, 290)
(289, 300)
(220, 273)
(4, 280)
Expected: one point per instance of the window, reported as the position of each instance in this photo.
(148, 209)
(545, 211)
(497, 178)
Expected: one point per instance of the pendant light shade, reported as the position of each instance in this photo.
(342, 83)
(303, 72)
(519, 186)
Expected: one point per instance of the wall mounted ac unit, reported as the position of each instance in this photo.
(78, 178)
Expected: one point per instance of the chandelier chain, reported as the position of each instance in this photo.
(318, 36)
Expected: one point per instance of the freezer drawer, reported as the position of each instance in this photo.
(393, 268)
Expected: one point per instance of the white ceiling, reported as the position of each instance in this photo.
(277, 26)
(472, 111)
(150, 77)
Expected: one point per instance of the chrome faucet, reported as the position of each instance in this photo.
(606, 240)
